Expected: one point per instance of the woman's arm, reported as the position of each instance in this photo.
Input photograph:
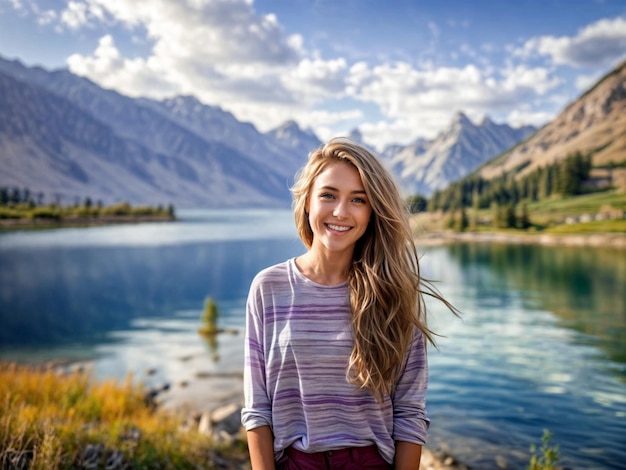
(410, 422)
(261, 448)
(408, 456)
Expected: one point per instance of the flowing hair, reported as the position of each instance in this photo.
(386, 289)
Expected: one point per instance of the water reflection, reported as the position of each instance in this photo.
(585, 288)
(63, 294)
(528, 354)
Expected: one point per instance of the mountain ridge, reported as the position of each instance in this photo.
(593, 123)
(429, 165)
(200, 171)
(185, 152)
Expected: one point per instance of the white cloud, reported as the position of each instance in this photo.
(584, 82)
(16, 4)
(316, 79)
(42, 17)
(524, 116)
(129, 76)
(379, 134)
(47, 17)
(75, 15)
(536, 80)
(599, 44)
(327, 123)
(221, 51)
(422, 101)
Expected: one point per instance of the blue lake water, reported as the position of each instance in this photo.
(541, 344)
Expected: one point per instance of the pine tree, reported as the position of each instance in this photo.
(524, 221)
(462, 222)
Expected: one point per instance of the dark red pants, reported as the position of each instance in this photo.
(354, 458)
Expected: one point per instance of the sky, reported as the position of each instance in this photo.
(396, 70)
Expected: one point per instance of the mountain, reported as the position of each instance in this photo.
(428, 165)
(66, 137)
(294, 140)
(594, 123)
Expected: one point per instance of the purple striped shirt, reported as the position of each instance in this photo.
(298, 342)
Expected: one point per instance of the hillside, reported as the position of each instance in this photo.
(595, 123)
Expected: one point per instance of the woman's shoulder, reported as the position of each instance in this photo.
(272, 274)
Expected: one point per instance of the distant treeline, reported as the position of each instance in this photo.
(507, 195)
(16, 203)
(566, 177)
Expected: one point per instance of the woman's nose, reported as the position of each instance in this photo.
(340, 210)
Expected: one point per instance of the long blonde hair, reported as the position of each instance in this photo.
(386, 289)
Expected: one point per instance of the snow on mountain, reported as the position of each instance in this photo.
(428, 165)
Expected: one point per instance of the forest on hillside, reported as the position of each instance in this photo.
(507, 196)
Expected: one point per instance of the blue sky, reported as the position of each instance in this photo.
(396, 70)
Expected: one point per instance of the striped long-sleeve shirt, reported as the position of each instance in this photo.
(297, 345)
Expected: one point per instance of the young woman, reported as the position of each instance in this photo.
(335, 352)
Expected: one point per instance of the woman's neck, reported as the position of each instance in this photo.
(326, 269)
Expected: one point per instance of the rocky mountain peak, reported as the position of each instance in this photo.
(356, 136)
(289, 127)
(461, 119)
(428, 165)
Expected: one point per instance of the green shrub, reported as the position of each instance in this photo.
(122, 208)
(547, 456)
(143, 210)
(45, 212)
(8, 213)
(209, 317)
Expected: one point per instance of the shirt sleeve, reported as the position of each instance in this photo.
(410, 422)
(257, 409)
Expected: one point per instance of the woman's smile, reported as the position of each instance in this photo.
(338, 228)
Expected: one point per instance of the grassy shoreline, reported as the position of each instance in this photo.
(26, 216)
(54, 420)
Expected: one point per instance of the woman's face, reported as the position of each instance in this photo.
(339, 210)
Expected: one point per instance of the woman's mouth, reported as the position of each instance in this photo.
(338, 228)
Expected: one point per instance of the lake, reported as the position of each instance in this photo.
(541, 343)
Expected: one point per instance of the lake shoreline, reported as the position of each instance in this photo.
(604, 240)
(7, 225)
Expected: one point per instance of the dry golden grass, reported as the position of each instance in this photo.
(49, 419)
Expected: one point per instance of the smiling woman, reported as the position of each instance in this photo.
(340, 329)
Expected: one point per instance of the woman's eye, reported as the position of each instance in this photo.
(326, 196)
(358, 200)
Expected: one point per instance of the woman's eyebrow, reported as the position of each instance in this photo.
(332, 188)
